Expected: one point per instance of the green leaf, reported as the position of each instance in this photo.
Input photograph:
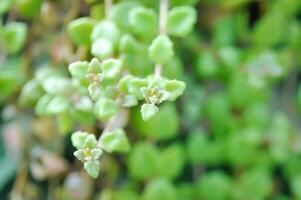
(132, 85)
(105, 108)
(143, 161)
(57, 104)
(120, 13)
(148, 111)
(115, 141)
(96, 153)
(181, 20)
(107, 30)
(161, 49)
(159, 189)
(102, 48)
(56, 85)
(171, 161)
(10, 77)
(90, 141)
(79, 69)
(94, 66)
(163, 126)
(215, 179)
(28, 8)
(30, 93)
(129, 101)
(84, 103)
(78, 139)
(207, 66)
(143, 21)
(80, 30)
(129, 45)
(64, 123)
(14, 36)
(80, 155)
(175, 89)
(41, 106)
(92, 167)
(111, 68)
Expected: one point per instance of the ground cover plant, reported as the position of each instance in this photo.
(150, 99)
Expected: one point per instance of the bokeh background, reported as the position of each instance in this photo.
(234, 134)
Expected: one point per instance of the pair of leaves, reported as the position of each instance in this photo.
(110, 68)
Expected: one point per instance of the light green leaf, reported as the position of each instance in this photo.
(108, 30)
(78, 139)
(181, 20)
(129, 101)
(143, 21)
(80, 30)
(161, 49)
(79, 69)
(94, 66)
(111, 68)
(92, 167)
(41, 106)
(30, 93)
(120, 13)
(105, 108)
(115, 141)
(102, 48)
(148, 111)
(175, 89)
(57, 104)
(90, 141)
(56, 85)
(79, 154)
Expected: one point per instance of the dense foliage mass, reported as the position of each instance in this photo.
(150, 99)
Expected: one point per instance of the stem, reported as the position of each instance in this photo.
(108, 6)
(158, 70)
(163, 16)
(162, 29)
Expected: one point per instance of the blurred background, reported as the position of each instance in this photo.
(234, 134)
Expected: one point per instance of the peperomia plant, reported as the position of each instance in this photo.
(104, 87)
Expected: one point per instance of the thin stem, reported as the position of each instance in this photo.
(162, 30)
(163, 16)
(108, 6)
(158, 70)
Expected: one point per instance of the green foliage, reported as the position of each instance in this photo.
(174, 100)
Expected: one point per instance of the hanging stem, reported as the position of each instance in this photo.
(108, 6)
(162, 29)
